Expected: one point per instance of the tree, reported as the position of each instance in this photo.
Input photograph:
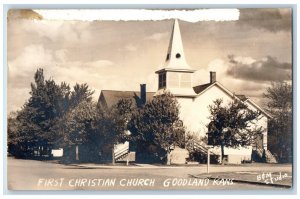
(79, 127)
(112, 124)
(120, 114)
(158, 123)
(231, 125)
(37, 118)
(81, 92)
(41, 124)
(279, 104)
(14, 139)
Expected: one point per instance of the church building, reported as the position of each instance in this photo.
(176, 77)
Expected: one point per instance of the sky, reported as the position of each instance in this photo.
(248, 49)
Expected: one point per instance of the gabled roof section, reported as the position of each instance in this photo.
(242, 97)
(258, 107)
(200, 88)
(204, 87)
(108, 98)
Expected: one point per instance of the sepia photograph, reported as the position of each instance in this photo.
(150, 99)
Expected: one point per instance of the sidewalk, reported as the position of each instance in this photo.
(137, 165)
(110, 166)
(214, 168)
(130, 166)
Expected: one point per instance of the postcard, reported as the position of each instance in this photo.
(150, 99)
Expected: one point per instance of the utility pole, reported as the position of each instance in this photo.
(77, 153)
(208, 159)
(113, 155)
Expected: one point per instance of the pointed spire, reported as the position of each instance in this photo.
(175, 57)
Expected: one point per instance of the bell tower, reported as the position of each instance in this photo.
(176, 74)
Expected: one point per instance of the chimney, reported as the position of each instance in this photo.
(143, 94)
(213, 77)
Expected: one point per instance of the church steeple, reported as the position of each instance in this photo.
(175, 56)
(176, 75)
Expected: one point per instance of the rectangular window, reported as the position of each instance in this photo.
(162, 80)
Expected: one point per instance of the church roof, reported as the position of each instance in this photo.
(110, 97)
(242, 97)
(198, 89)
(178, 92)
(175, 58)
